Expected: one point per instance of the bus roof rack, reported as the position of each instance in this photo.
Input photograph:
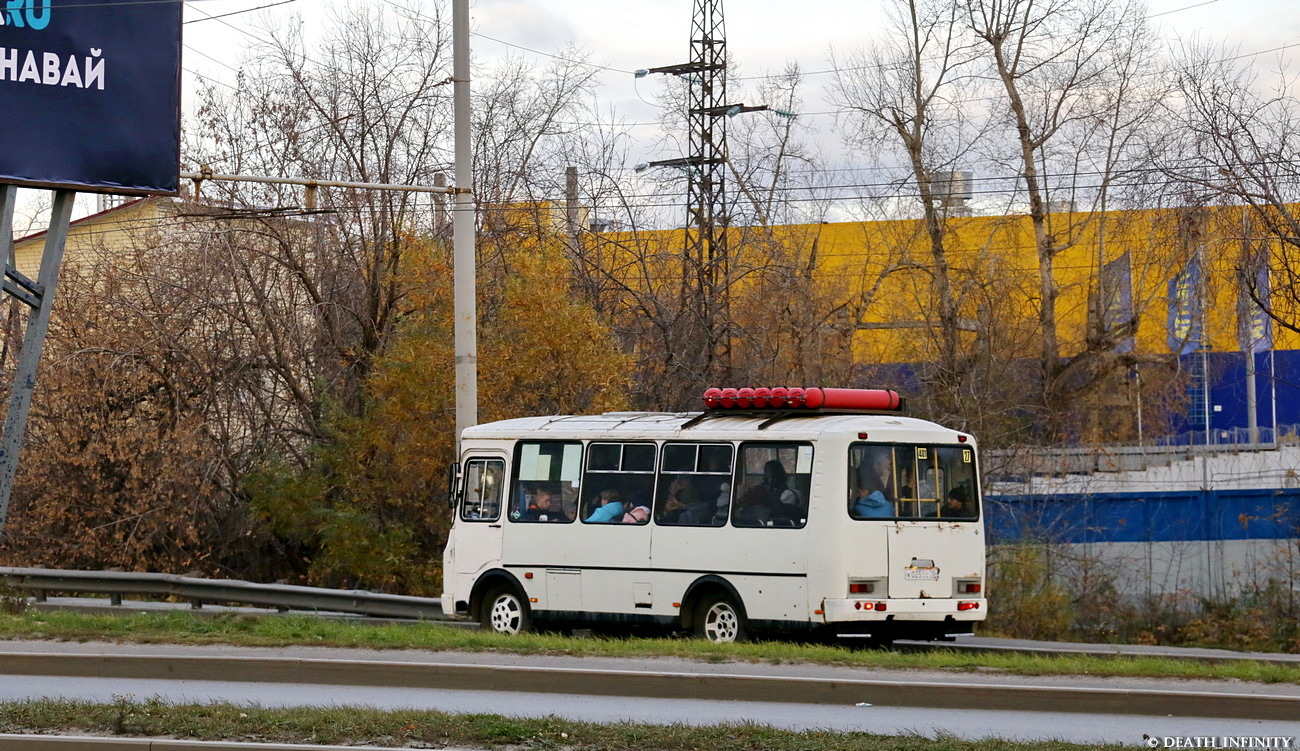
(779, 415)
(782, 403)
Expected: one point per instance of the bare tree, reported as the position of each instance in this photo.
(1241, 146)
(904, 95)
(1055, 62)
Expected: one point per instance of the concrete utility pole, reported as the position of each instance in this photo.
(463, 275)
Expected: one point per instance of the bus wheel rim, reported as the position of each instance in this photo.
(721, 624)
(506, 613)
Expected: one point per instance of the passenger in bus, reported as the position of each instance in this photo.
(611, 507)
(958, 504)
(569, 506)
(778, 484)
(875, 473)
(543, 508)
(753, 508)
(717, 486)
(930, 484)
(638, 515)
(684, 506)
(910, 491)
(872, 505)
(784, 500)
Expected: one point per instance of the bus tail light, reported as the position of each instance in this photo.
(880, 606)
(860, 605)
(968, 606)
(968, 587)
(863, 586)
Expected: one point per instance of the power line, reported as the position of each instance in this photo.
(547, 54)
(210, 57)
(1185, 7)
(237, 12)
(197, 74)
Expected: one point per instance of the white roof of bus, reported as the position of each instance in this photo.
(646, 425)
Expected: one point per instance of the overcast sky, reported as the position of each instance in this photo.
(763, 36)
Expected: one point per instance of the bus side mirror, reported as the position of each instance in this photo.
(453, 483)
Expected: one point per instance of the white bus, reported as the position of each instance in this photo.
(745, 517)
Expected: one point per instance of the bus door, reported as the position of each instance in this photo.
(541, 531)
(936, 542)
(475, 539)
(615, 501)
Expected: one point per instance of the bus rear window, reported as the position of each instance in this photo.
(912, 481)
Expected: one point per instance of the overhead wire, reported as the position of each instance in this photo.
(238, 12)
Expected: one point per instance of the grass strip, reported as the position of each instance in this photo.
(181, 627)
(364, 726)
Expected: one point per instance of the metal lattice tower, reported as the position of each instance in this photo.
(706, 258)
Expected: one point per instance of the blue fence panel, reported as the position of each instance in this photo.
(1144, 517)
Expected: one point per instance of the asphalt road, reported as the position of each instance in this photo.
(929, 722)
(981, 705)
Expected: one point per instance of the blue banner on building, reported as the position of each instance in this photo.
(1117, 301)
(1185, 309)
(90, 91)
(1254, 326)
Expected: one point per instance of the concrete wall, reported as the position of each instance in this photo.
(1211, 525)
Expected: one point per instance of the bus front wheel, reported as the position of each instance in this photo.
(720, 620)
(504, 611)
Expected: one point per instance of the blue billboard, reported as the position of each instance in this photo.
(1186, 309)
(90, 91)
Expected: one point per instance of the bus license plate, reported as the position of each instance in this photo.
(922, 574)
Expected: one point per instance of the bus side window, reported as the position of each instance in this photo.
(619, 483)
(773, 480)
(546, 480)
(483, 486)
(694, 485)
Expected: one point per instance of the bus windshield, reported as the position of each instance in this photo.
(912, 481)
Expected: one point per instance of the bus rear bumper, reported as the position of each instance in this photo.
(858, 610)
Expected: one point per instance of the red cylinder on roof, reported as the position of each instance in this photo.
(877, 399)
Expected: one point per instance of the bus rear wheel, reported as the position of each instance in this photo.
(504, 611)
(720, 620)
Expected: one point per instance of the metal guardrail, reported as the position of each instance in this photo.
(197, 591)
